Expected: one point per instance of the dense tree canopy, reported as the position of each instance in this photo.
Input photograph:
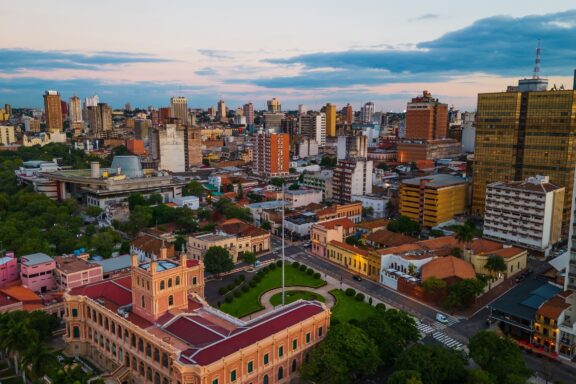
(404, 225)
(217, 260)
(434, 363)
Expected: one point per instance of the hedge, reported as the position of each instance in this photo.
(296, 264)
(360, 296)
(350, 292)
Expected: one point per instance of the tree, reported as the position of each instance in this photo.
(140, 218)
(124, 248)
(180, 243)
(217, 260)
(404, 225)
(465, 234)
(292, 170)
(433, 285)
(437, 365)
(266, 225)
(301, 178)
(277, 181)
(327, 363)
(495, 263)
(38, 358)
(456, 252)
(329, 162)
(249, 257)
(93, 211)
(352, 240)
(436, 233)
(405, 377)
(499, 356)
(382, 165)
(367, 211)
(463, 293)
(154, 199)
(193, 188)
(230, 187)
(104, 242)
(135, 199)
(294, 187)
(240, 194)
(203, 214)
(478, 376)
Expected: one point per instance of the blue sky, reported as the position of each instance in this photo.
(300, 51)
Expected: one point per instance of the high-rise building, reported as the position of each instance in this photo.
(351, 146)
(248, 110)
(8, 109)
(527, 213)
(274, 105)
(31, 124)
(426, 118)
(366, 112)
(100, 119)
(7, 134)
(351, 177)
(313, 126)
(179, 106)
(348, 114)
(222, 111)
(302, 109)
(524, 134)
(273, 120)
(330, 120)
(192, 147)
(167, 144)
(75, 109)
(272, 155)
(53, 111)
(91, 101)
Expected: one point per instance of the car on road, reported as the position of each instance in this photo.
(357, 278)
(441, 318)
(307, 244)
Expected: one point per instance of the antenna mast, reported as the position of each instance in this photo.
(536, 74)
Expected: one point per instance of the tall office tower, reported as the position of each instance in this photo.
(91, 101)
(100, 119)
(222, 111)
(348, 114)
(249, 113)
(272, 155)
(289, 125)
(352, 146)
(330, 120)
(302, 109)
(8, 109)
(273, 120)
(521, 134)
(167, 144)
(426, 118)
(351, 177)
(75, 109)
(142, 129)
(179, 106)
(192, 147)
(274, 105)
(366, 112)
(53, 111)
(64, 109)
(313, 126)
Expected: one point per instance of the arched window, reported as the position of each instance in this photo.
(265, 379)
(169, 283)
(165, 381)
(148, 350)
(76, 332)
(112, 327)
(119, 333)
(127, 361)
(134, 364)
(280, 373)
(141, 369)
(194, 280)
(294, 365)
(170, 300)
(156, 355)
(177, 280)
(165, 360)
(100, 319)
(106, 323)
(140, 345)
(156, 378)
(133, 341)
(162, 285)
(149, 374)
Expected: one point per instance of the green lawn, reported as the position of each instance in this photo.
(292, 296)
(249, 302)
(348, 308)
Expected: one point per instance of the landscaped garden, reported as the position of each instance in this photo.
(292, 296)
(243, 298)
(351, 305)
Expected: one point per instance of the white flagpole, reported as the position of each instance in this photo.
(283, 208)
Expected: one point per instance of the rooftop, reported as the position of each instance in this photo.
(345, 222)
(349, 247)
(72, 264)
(435, 181)
(268, 204)
(537, 184)
(118, 263)
(35, 259)
(161, 265)
(212, 237)
(239, 227)
(446, 267)
(553, 308)
(524, 300)
(303, 192)
(388, 238)
(374, 224)
(301, 219)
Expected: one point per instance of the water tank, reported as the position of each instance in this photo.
(94, 169)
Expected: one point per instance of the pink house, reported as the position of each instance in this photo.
(324, 232)
(8, 269)
(72, 272)
(36, 272)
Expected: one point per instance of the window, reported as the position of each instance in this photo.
(294, 365)
(265, 379)
(148, 350)
(74, 312)
(294, 344)
(140, 345)
(165, 360)
(266, 359)
(149, 374)
(280, 373)
(250, 367)
(76, 332)
(162, 285)
(320, 332)
(141, 369)
(194, 281)
(156, 355)
(280, 351)
(233, 375)
(215, 381)
(142, 302)
(170, 300)
(119, 333)
(308, 338)
(112, 327)
(156, 378)
(177, 280)
(169, 283)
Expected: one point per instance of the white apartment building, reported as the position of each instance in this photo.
(352, 146)
(377, 203)
(351, 177)
(168, 146)
(303, 197)
(526, 213)
(313, 126)
(320, 180)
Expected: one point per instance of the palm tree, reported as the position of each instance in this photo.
(15, 337)
(465, 234)
(38, 358)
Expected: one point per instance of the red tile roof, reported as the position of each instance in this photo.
(553, 307)
(193, 332)
(114, 291)
(238, 227)
(349, 247)
(345, 222)
(446, 267)
(388, 238)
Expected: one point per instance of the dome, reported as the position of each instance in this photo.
(128, 165)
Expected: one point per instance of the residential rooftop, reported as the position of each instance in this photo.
(435, 181)
(35, 259)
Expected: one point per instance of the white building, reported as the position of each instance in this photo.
(307, 147)
(367, 112)
(377, 203)
(394, 266)
(468, 132)
(299, 226)
(351, 177)
(352, 146)
(527, 213)
(168, 146)
(303, 197)
(192, 202)
(320, 180)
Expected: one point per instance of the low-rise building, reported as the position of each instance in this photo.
(448, 268)
(481, 250)
(376, 204)
(8, 269)
(256, 209)
(298, 226)
(36, 272)
(72, 271)
(527, 213)
(148, 246)
(258, 240)
(320, 180)
(355, 259)
(302, 197)
(323, 233)
(199, 244)
(414, 150)
(384, 238)
(353, 211)
(192, 202)
(434, 199)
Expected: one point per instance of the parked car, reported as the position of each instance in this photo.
(441, 318)
(357, 278)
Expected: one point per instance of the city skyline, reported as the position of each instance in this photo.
(300, 55)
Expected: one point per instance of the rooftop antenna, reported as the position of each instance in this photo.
(536, 74)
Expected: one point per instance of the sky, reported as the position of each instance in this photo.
(303, 52)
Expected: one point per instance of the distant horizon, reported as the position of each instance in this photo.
(308, 53)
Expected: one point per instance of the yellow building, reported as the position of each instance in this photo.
(510, 148)
(7, 135)
(481, 250)
(434, 199)
(548, 317)
(357, 260)
(330, 120)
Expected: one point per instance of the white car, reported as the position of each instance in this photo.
(441, 318)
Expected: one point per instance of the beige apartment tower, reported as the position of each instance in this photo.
(53, 111)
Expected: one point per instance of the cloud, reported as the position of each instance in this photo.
(500, 45)
(206, 72)
(426, 16)
(14, 60)
(216, 54)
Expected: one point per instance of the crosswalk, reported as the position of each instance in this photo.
(448, 341)
(424, 329)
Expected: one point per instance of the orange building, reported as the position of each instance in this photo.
(151, 328)
(353, 211)
(426, 118)
(136, 146)
(272, 155)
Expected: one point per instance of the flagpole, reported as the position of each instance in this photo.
(283, 208)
